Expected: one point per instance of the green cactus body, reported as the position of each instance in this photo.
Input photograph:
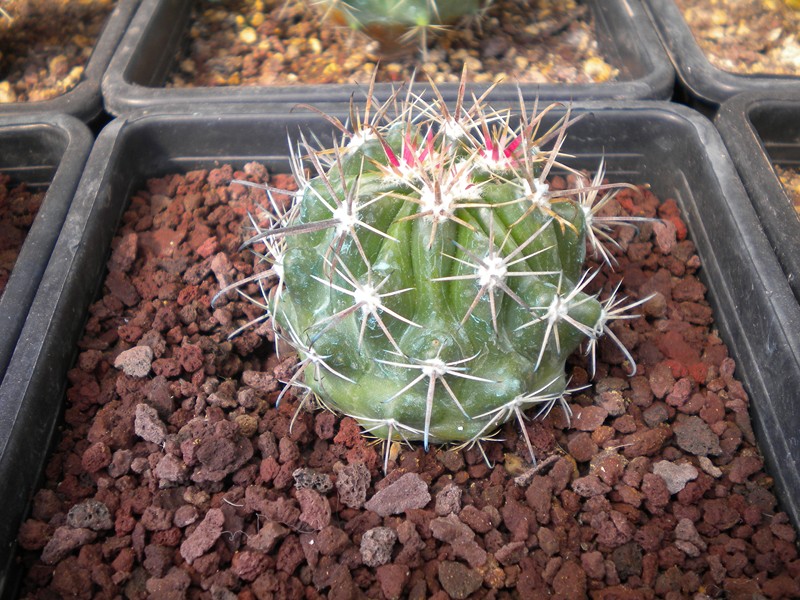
(394, 23)
(409, 13)
(430, 281)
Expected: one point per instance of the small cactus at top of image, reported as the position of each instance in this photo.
(396, 24)
(429, 278)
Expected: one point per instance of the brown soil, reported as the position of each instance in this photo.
(747, 36)
(270, 42)
(176, 476)
(790, 178)
(45, 45)
(18, 208)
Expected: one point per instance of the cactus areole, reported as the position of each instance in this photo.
(429, 279)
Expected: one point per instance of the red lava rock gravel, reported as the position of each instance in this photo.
(176, 476)
(18, 208)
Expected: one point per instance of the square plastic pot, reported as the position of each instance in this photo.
(703, 82)
(44, 152)
(85, 100)
(135, 79)
(674, 149)
(761, 130)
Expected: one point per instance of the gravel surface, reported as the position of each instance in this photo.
(45, 45)
(232, 42)
(747, 36)
(188, 482)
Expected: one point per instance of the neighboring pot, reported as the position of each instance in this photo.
(673, 148)
(44, 151)
(704, 82)
(137, 72)
(85, 100)
(761, 130)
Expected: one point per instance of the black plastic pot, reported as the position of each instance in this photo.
(85, 100)
(45, 152)
(135, 79)
(761, 130)
(704, 83)
(673, 148)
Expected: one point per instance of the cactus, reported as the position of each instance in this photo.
(395, 23)
(430, 280)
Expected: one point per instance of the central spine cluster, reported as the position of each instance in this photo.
(430, 280)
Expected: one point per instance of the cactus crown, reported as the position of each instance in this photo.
(428, 276)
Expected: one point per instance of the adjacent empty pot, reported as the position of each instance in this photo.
(704, 82)
(761, 130)
(44, 152)
(85, 100)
